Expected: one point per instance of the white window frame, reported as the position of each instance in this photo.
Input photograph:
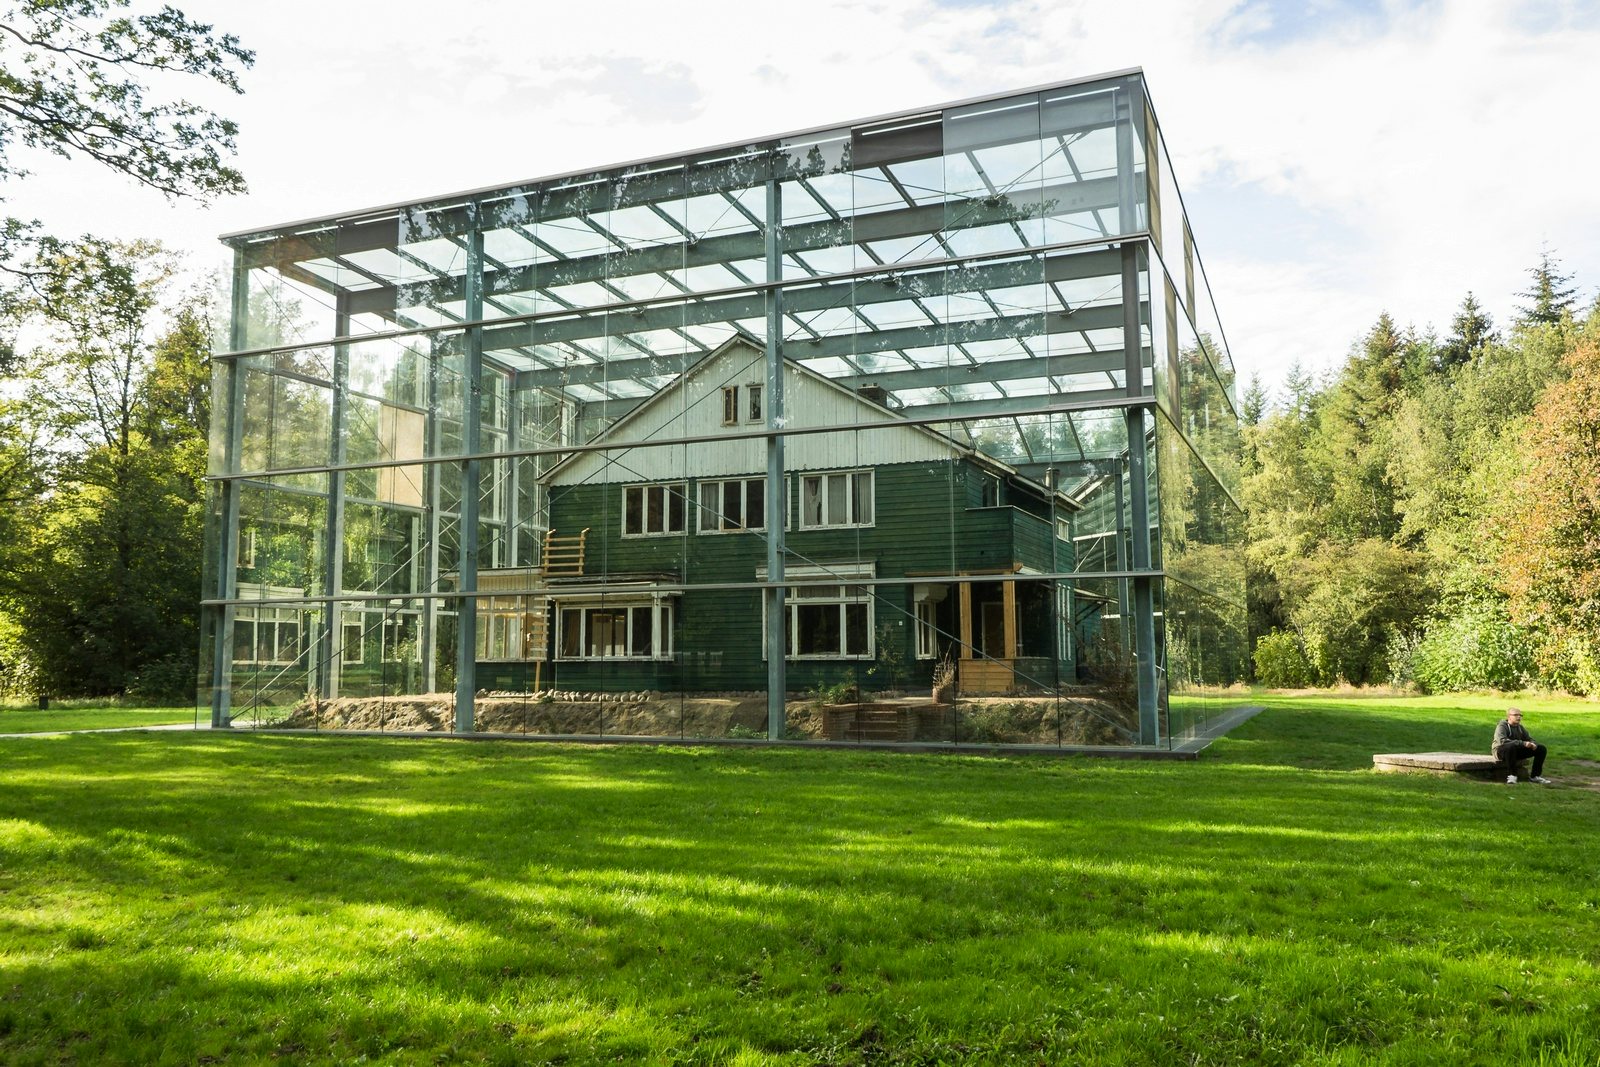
(286, 626)
(851, 519)
(713, 520)
(927, 629)
(669, 492)
(345, 645)
(841, 590)
(659, 611)
(391, 635)
(752, 403)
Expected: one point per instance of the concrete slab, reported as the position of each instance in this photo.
(1472, 764)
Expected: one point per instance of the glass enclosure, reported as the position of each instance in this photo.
(915, 430)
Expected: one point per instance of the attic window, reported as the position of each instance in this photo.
(732, 415)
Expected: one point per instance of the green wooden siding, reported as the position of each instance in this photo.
(926, 522)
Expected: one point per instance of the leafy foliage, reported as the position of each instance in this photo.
(73, 81)
(1551, 554)
(1281, 662)
(105, 567)
(1429, 513)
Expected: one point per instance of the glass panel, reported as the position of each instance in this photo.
(936, 267)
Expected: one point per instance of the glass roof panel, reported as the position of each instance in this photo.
(830, 320)
(710, 276)
(1011, 167)
(638, 226)
(874, 192)
(380, 262)
(904, 249)
(834, 190)
(979, 240)
(582, 294)
(923, 179)
(511, 248)
(572, 237)
(442, 254)
(829, 367)
(834, 260)
(894, 313)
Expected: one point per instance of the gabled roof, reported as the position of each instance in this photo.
(872, 414)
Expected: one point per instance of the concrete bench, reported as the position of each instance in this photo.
(1472, 764)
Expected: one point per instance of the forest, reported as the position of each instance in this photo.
(1429, 514)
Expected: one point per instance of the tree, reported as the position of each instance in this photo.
(1551, 295)
(75, 81)
(1551, 551)
(1470, 331)
(108, 565)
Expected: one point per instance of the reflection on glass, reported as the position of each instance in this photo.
(950, 319)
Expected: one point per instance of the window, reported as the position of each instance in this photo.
(247, 549)
(829, 622)
(833, 621)
(927, 629)
(727, 507)
(266, 635)
(399, 638)
(843, 499)
(731, 412)
(1063, 529)
(352, 640)
(650, 510)
(616, 631)
(512, 628)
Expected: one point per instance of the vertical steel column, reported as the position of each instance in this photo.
(1144, 621)
(1130, 112)
(330, 640)
(432, 474)
(777, 495)
(232, 426)
(467, 608)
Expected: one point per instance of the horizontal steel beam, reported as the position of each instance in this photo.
(826, 296)
(674, 256)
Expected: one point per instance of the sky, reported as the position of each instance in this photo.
(1337, 158)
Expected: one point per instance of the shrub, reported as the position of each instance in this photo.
(1477, 647)
(171, 679)
(1281, 662)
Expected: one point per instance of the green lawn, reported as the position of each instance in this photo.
(72, 717)
(194, 897)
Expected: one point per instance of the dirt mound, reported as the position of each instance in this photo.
(628, 715)
(984, 720)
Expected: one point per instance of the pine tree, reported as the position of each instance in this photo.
(1551, 292)
(1470, 330)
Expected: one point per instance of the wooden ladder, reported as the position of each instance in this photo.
(563, 556)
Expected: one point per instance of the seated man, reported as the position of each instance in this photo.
(1512, 744)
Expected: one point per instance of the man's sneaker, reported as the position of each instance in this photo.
(1541, 779)
(1511, 779)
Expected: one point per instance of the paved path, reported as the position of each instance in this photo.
(114, 729)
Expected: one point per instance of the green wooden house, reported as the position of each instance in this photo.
(905, 545)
